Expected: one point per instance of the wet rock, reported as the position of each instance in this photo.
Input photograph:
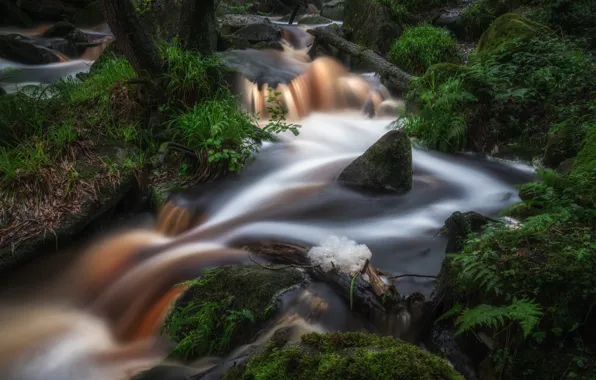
(67, 31)
(250, 294)
(452, 19)
(459, 225)
(11, 15)
(2, 91)
(20, 49)
(372, 24)
(344, 355)
(230, 24)
(386, 165)
(265, 32)
(314, 20)
(334, 10)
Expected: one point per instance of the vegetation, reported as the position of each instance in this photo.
(516, 90)
(403, 10)
(345, 356)
(422, 46)
(224, 308)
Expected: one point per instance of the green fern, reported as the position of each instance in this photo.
(527, 313)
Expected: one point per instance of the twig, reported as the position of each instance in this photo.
(268, 267)
(410, 275)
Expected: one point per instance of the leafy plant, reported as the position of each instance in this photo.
(422, 46)
(441, 124)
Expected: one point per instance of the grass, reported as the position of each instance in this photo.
(422, 46)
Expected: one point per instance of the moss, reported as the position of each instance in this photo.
(583, 172)
(563, 144)
(346, 356)
(508, 27)
(226, 307)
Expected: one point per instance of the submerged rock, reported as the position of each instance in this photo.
(387, 165)
(20, 49)
(334, 10)
(344, 356)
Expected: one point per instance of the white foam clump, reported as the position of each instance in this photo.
(340, 253)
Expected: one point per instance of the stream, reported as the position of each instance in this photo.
(287, 192)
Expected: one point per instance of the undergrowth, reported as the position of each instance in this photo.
(421, 46)
(522, 93)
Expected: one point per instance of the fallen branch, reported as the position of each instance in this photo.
(392, 76)
(410, 275)
(269, 267)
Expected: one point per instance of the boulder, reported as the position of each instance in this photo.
(372, 24)
(459, 225)
(20, 49)
(67, 31)
(234, 303)
(343, 355)
(230, 24)
(452, 20)
(508, 27)
(314, 20)
(386, 165)
(334, 10)
(255, 33)
(11, 15)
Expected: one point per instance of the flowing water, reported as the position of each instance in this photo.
(100, 318)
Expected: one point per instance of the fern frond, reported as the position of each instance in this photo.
(455, 310)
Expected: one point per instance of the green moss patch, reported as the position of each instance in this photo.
(508, 27)
(226, 307)
(346, 356)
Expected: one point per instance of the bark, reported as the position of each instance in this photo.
(394, 78)
(371, 297)
(198, 26)
(132, 37)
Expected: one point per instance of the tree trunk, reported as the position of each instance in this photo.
(132, 38)
(198, 26)
(392, 76)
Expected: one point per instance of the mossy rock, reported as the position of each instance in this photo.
(508, 27)
(348, 356)
(372, 23)
(225, 308)
(583, 172)
(385, 166)
(563, 144)
(160, 192)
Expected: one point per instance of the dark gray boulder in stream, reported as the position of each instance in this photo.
(67, 31)
(386, 165)
(20, 49)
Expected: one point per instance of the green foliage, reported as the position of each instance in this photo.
(508, 27)
(526, 313)
(219, 127)
(525, 90)
(346, 356)
(422, 46)
(225, 307)
(478, 16)
(440, 124)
